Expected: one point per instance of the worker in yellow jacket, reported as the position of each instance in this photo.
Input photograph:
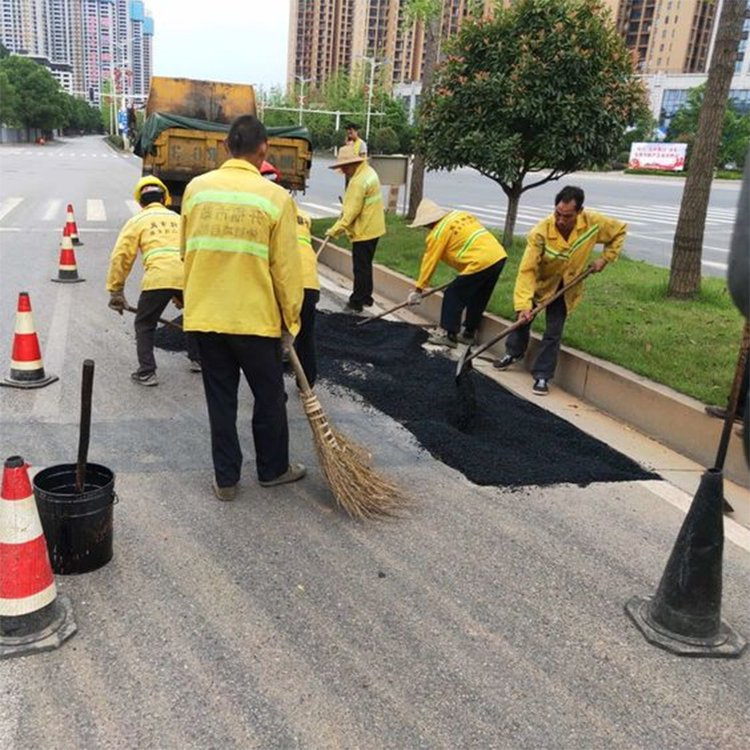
(363, 221)
(155, 232)
(304, 343)
(461, 242)
(243, 294)
(558, 248)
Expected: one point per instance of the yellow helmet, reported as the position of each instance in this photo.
(154, 182)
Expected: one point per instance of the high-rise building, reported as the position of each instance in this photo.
(88, 45)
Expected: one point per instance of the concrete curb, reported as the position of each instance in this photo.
(673, 419)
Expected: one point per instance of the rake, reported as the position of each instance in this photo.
(357, 487)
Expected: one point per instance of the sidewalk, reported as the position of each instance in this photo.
(681, 473)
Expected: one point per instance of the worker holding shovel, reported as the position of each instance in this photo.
(557, 250)
(459, 240)
(155, 231)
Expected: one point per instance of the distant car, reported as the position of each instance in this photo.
(270, 172)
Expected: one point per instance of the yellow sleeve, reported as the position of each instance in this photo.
(354, 201)
(432, 253)
(286, 267)
(612, 235)
(523, 293)
(123, 256)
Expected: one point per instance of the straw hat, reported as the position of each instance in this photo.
(428, 212)
(346, 156)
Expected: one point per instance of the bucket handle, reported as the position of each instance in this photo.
(115, 500)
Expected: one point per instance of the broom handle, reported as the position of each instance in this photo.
(87, 387)
(322, 247)
(160, 320)
(734, 397)
(403, 304)
(299, 371)
(521, 322)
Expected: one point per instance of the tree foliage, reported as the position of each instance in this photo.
(735, 135)
(543, 85)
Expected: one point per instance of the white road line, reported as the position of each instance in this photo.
(95, 210)
(330, 210)
(52, 209)
(133, 206)
(522, 214)
(711, 217)
(8, 205)
(711, 264)
(671, 242)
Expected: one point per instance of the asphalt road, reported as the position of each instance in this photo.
(484, 619)
(650, 206)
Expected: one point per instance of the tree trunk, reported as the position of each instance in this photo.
(685, 269)
(514, 198)
(429, 57)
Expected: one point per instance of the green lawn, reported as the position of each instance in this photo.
(625, 317)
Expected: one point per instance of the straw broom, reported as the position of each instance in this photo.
(357, 487)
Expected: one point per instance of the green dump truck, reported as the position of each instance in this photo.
(186, 124)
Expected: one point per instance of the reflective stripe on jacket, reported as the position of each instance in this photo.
(550, 259)
(461, 242)
(155, 231)
(243, 273)
(362, 217)
(310, 278)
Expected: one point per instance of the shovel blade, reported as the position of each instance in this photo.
(462, 361)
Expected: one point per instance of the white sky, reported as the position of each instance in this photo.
(238, 41)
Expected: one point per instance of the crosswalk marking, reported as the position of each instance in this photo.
(319, 207)
(95, 210)
(52, 209)
(8, 205)
(133, 207)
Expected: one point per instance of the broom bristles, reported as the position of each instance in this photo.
(357, 487)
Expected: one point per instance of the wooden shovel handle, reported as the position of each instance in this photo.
(87, 388)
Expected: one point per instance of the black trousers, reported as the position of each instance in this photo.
(549, 349)
(362, 255)
(304, 343)
(470, 292)
(223, 356)
(151, 304)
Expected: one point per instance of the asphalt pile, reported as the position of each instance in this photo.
(503, 440)
(509, 442)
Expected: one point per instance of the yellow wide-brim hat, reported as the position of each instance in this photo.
(428, 212)
(346, 155)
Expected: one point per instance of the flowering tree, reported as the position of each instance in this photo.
(544, 86)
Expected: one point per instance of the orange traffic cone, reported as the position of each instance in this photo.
(71, 226)
(26, 368)
(32, 616)
(67, 272)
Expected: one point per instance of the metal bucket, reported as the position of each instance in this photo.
(77, 526)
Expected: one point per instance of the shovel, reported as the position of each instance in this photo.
(469, 355)
(87, 387)
(403, 304)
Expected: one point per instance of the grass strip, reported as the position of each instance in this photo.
(625, 318)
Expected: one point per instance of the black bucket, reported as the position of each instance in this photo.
(77, 526)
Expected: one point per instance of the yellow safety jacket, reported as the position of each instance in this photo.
(550, 259)
(362, 217)
(461, 242)
(360, 147)
(243, 273)
(155, 231)
(310, 278)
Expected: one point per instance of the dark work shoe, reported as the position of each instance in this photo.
(541, 386)
(441, 337)
(225, 494)
(144, 378)
(505, 361)
(292, 474)
(349, 307)
(369, 302)
(465, 337)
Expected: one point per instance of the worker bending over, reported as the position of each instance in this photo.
(155, 231)
(243, 290)
(460, 241)
(363, 220)
(558, 248)
(304, 342)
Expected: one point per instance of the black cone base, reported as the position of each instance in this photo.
(51, 636)
(726, 643)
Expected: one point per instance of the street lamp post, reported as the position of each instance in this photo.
(373, 64)
(302, 81)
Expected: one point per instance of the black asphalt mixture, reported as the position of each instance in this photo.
(509, 442)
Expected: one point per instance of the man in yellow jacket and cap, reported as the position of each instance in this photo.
(461, 242)
(155, 231)
(363, 221)
(558, 248)
(243, 294)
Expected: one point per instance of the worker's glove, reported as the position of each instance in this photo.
(177, 302)
(414, 298)
(117, 302)
(287, 340)
(329, 234)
